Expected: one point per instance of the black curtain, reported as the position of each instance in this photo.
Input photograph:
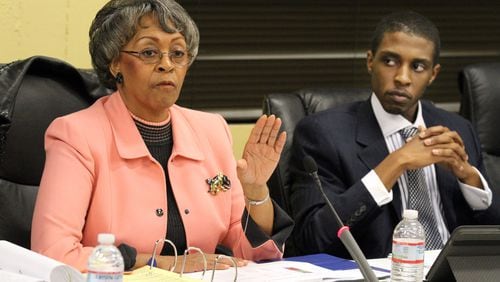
(251, 48)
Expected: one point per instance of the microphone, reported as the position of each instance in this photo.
(344, 234)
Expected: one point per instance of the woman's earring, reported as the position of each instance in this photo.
(119, 78)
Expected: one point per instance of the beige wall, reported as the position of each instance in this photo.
(59, 28)
(56, 28)
(240, 135)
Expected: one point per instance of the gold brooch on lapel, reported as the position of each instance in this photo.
(220, 182)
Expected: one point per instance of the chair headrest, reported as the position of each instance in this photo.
(480, 88)
(33, 92)
(291, 108)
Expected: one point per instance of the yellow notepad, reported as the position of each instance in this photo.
(155, 274)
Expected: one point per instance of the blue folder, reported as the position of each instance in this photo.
(330, 262)
(326, 261)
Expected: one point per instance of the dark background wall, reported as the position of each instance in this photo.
(250, 48)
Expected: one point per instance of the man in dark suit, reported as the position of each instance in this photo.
(363, 158)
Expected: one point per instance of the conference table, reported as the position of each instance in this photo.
(308, 268)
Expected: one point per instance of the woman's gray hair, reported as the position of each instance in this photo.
(116, 23)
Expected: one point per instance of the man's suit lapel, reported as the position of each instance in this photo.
(369, 136)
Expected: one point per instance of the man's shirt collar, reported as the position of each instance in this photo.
(391, 123)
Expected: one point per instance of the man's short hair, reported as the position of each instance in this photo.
(408, 22)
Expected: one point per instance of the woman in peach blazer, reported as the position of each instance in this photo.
(136, 165)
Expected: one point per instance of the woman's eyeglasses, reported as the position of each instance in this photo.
(178, 58)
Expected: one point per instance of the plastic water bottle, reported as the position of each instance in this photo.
(106, 261)
(408, 246)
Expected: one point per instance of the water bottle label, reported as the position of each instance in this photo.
(408, 251)
(105, 277)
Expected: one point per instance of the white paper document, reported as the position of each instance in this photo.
(20, 264)
(385, 263)
(289, 271)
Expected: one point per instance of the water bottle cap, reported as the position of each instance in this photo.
(410, 214)
(105, 238)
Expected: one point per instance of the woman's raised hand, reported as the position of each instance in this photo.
(262, 152)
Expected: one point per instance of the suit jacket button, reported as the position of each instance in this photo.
(159, 212)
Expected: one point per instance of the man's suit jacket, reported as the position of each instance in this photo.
(347, 143)
(100, 177)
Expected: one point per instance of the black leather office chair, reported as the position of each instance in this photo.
(33, 92)
(291, 108)
(480, 102)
